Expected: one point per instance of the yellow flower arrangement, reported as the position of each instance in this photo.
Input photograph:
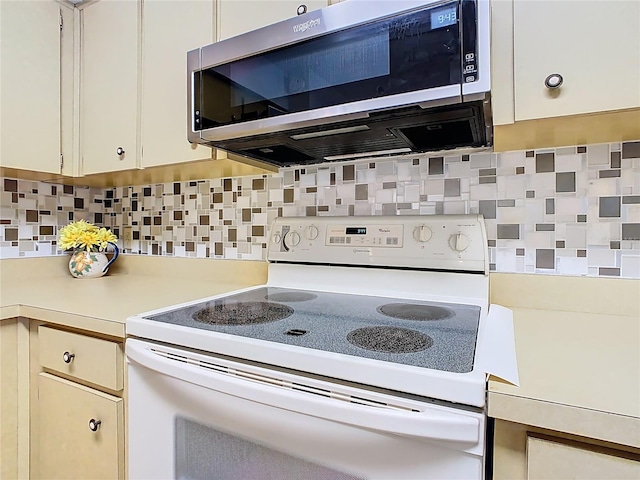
(85, 236)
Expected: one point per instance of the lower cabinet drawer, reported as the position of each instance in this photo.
(81, 431)
(86, 358)
(551, 459)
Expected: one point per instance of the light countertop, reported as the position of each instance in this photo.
(577, 338)
(578, 349)
(42, 288)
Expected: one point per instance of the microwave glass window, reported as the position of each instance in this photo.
(417, 50)
(283, 74)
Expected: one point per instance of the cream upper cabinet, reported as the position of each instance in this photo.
(30, 85)
(169, 31)
(109, 86)
(593, 45)
(241, 16)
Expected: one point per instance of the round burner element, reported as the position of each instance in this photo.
(412, 311)
(389, 339)
(242, 313)
(291, 296)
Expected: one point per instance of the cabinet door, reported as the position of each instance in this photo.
(549, 460)
(170, 30)
(9, 400)
(30, 85)
(69, 448)
(594, 45)
(241, 16)
(109, 86)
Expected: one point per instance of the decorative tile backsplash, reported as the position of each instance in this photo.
(32, 212)
(570, 211)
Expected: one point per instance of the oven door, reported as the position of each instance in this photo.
(197, 416)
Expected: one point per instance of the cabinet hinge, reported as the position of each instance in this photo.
(61, 21)
(61, 162)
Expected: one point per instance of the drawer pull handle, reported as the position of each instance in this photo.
(68, 357)
(120, 151)
(94, 424)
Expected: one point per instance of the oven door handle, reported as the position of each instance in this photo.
(432, 423)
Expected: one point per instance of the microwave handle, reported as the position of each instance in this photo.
(431, 424)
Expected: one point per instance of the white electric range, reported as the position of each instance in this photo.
(365, 355)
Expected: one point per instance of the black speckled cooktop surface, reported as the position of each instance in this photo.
(441, 336)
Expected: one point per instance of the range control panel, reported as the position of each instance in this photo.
(448, 242)
(371, 235)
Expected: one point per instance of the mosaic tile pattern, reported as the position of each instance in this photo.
(570, 211)
(32, 212)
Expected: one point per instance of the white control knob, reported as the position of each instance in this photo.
(276, 238)
(292, 238)
(459, 242)
(422, 233)
(311, 232)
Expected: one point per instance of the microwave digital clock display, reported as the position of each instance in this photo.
(356, 231)
(445, 16)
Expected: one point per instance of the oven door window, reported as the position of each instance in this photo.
(203, 453)
(415, 51)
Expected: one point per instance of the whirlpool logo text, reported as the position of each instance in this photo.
(309, 24)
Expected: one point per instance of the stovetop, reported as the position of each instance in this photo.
(336, 287)
(439, 336)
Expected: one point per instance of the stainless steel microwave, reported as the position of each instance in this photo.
(359, 78)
